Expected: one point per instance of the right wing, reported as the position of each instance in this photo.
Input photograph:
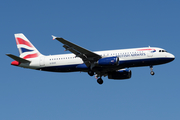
(87, 56)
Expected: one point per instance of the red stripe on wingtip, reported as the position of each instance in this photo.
(21, 41)
(31, 56)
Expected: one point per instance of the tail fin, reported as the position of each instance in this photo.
(25, 47)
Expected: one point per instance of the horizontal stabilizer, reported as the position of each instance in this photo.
(21, 60)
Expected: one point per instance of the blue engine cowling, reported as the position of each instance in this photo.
(121, 74)
(108, 61)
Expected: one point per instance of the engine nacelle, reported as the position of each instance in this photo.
(108, 61)
(121, 74)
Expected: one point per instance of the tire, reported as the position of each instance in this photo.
(152, 73)
(100, 81)
(91, 73)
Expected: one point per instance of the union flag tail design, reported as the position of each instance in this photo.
(25, 47)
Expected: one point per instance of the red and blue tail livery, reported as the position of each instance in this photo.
(25, 47)
(115, 64)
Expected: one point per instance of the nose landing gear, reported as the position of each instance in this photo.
(152, 72)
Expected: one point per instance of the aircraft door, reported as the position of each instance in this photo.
(42, 61)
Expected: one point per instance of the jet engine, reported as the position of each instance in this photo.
(121, 74)
(108, 61)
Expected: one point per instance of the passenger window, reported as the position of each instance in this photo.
(159, 50)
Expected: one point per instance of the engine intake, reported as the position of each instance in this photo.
(121, 74)
(108, 61)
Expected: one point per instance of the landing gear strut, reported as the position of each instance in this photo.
(152, 72)
(100, 81)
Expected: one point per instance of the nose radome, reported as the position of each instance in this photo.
(171, 56)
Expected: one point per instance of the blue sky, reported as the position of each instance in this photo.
(96, 25)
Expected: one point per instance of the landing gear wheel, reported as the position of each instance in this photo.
(100, 81)
(152, 73)
(91, 73)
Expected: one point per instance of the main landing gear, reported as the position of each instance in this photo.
(100, 81)
(97, 76)
(152, 72)
(90, 72)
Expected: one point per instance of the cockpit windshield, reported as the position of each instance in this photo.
(162, 51)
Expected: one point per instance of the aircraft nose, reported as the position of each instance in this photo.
(171, 57)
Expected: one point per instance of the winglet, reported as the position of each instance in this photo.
(54, 37)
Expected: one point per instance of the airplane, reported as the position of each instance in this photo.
(112, 63)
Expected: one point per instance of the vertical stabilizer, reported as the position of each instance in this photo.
(25, 47)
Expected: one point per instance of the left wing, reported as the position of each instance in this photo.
(87, 56)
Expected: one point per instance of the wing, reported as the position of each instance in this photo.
(87, 56)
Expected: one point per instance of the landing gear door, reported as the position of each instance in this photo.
(42, 62)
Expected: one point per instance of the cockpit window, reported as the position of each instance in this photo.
(162, 51)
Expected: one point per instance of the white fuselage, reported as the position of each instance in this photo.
(136, 55)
